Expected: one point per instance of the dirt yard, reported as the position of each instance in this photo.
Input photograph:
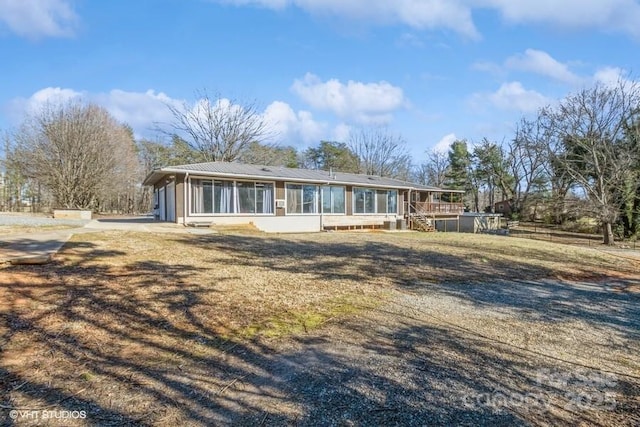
(322, 329)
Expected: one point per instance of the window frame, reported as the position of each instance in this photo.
(377, 192)
(189, 184)
(316, 199)
(330, 186)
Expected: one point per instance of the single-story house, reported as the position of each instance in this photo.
(279, 199)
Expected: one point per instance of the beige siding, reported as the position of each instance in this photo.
(180, 189)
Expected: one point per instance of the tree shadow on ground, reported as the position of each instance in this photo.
(595, 304)
(367, 258)
(130, 345)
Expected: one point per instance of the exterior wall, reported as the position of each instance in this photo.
(471, 223)
(164, 185)
(269, 224)
(447, 225)
(277, 222)
(503, 207)
(180, 200)
(357, 220)
(349, 200)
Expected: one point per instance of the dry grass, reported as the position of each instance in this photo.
(138, 328)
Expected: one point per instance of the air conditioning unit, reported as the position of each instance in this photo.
(280, 203)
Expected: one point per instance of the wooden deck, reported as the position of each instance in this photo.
(437, 208)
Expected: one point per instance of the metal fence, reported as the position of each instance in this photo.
(556, 234)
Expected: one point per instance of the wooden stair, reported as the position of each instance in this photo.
(421, 222)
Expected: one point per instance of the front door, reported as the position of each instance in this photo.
(171, 202)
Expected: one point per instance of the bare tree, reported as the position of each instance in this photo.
(595, 127)
(78, 152)
(527, 157)
(217, 128)
(433, 170)
(380, 152)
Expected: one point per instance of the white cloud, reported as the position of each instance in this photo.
(293, 128)
(456, 15)
(342, 132)
(19, 107)
(610, 15)
(146, 111)
(419, 14)
(511, 96)
(611, 76)
(362, 102)
(540, 62)
(38, 18)
(140, 110)
(445, 143)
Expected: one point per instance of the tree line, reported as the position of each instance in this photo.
(75, 155)
(578, 157)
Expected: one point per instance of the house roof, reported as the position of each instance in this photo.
(279, 173)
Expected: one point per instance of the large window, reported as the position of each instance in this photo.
(246, 197)
(333, 199)
(223, 197)
(201, 196)
(302, 199)
(364, 201)
(264, 198)
(369, 201)
(228, 197)
(392, 202)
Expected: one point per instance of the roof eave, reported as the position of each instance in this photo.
(158, 173)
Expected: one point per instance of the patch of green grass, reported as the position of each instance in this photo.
(296, 322)
(86, 376)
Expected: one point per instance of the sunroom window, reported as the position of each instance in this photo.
(333, 199)
(369, 201)
(229, 197)
(364, 200)
(302, 199)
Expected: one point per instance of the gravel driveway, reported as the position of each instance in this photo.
(10, 219)
(525, 353)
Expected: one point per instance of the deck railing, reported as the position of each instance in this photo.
(436, 208)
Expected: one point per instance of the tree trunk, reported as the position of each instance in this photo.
(608, 234)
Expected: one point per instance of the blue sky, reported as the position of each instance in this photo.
(430, 70)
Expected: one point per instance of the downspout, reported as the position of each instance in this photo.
(184, 199)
